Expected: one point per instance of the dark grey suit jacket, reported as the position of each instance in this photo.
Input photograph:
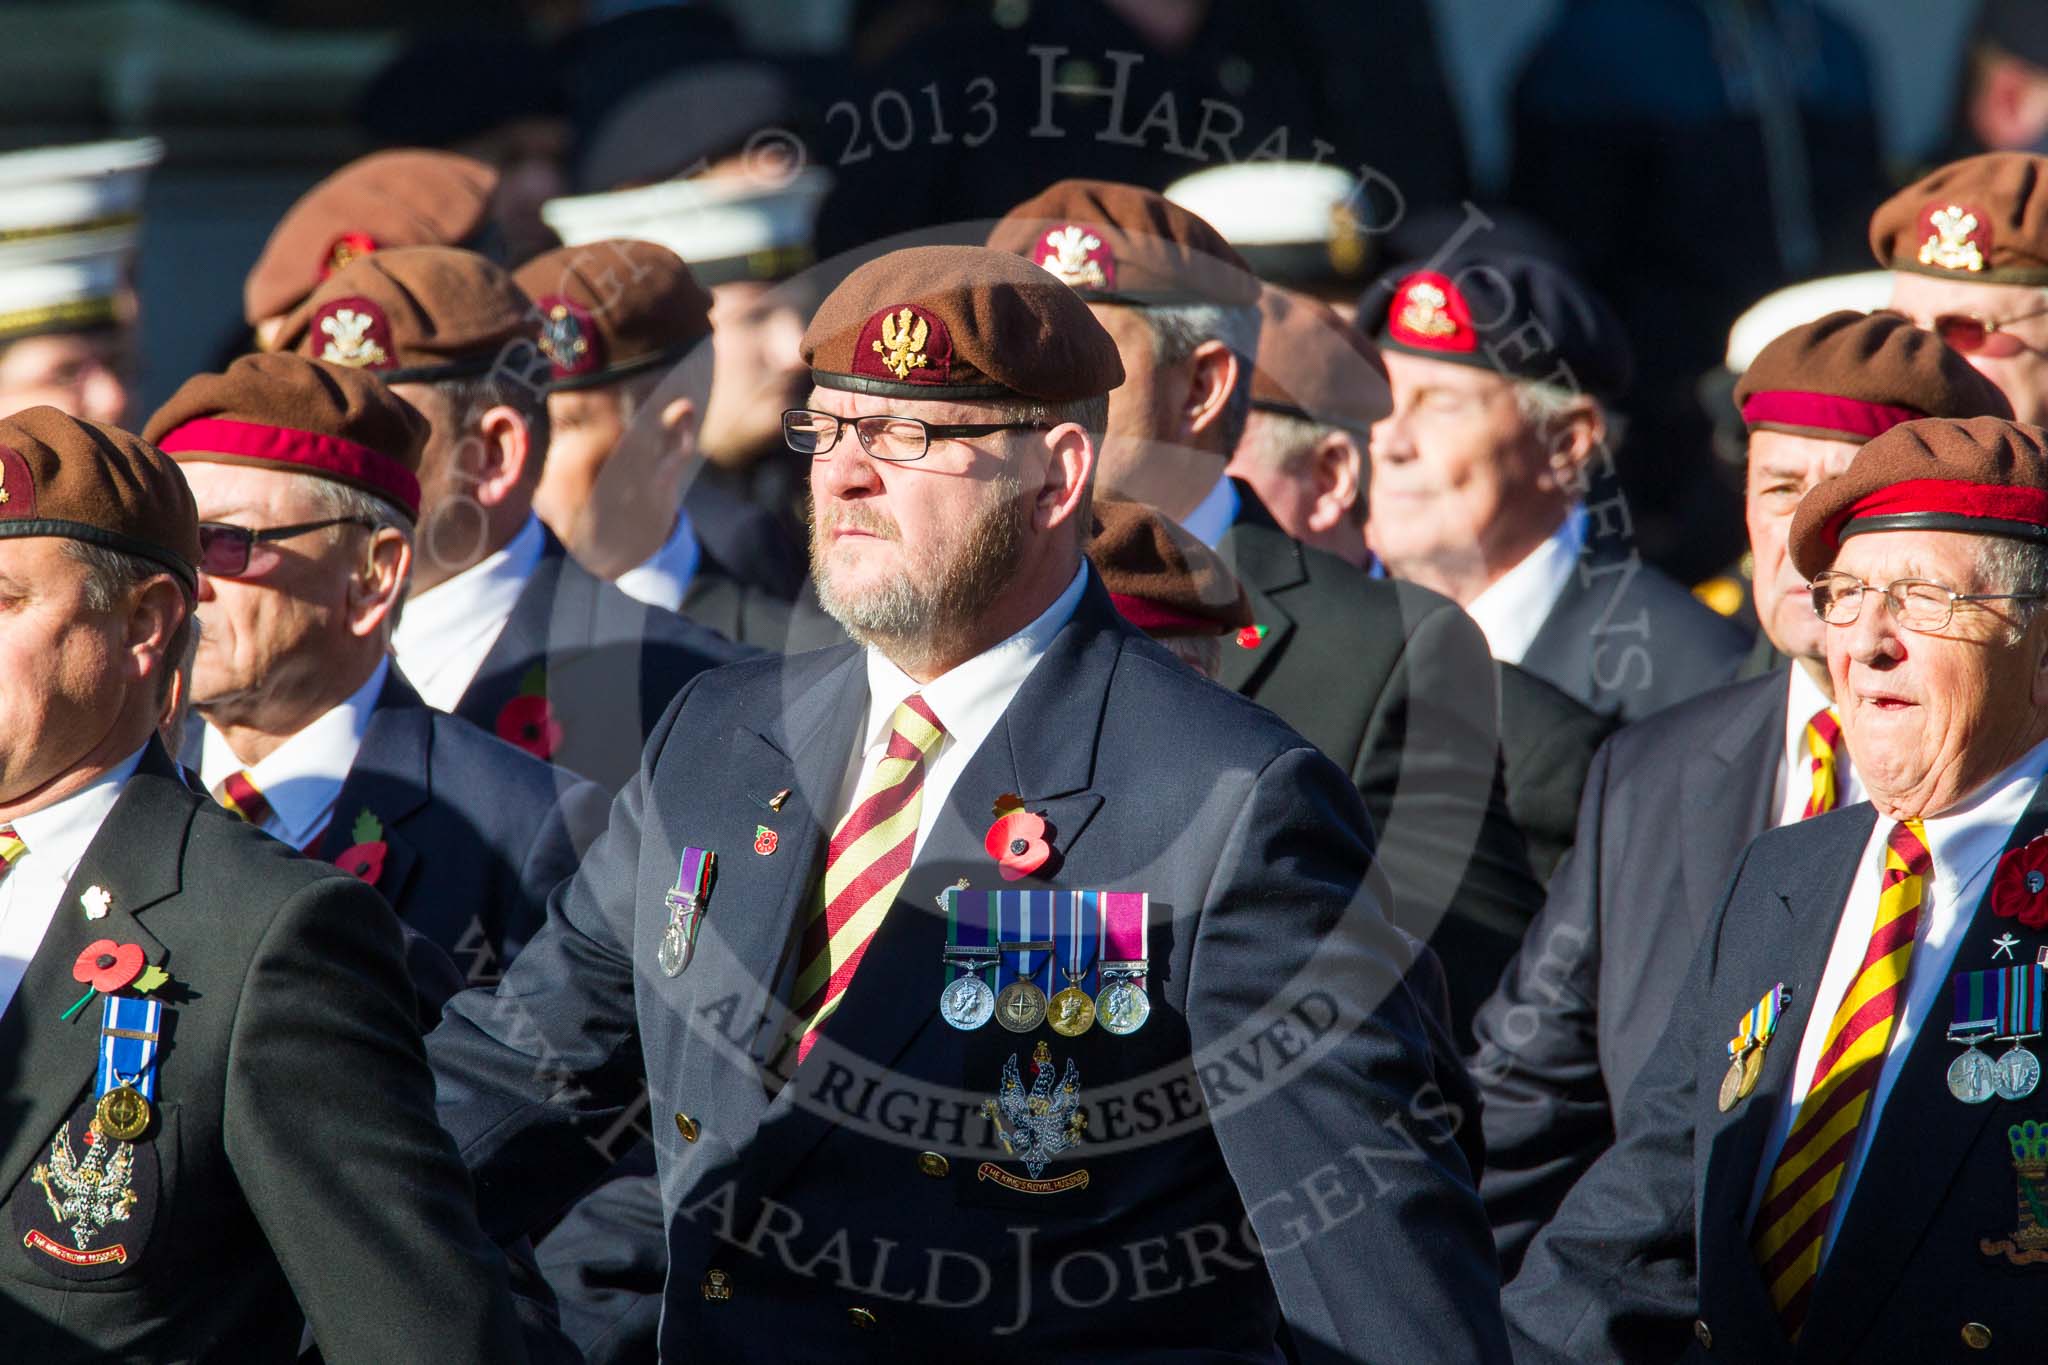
(295, 1162)
(1649, 1258)
(1669, 807)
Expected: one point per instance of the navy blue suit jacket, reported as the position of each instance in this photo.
(1669, 805)
(477, 833)
(1313, 1122)
(609, 665)
(1649, 1257)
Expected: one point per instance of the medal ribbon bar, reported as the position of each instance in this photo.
(129, 1029)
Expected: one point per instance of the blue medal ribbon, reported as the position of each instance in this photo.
(129, 1031)
(1077, 929)
(1023, 917)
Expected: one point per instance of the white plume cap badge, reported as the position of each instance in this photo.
(97, 900)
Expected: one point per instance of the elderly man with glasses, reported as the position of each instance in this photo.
(1839, 1149)
(1968, 248)
(305, 476)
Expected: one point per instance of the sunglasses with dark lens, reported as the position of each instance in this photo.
(1972, 335)
(225, 551)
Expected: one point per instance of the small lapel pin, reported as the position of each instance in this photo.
(764, 840)
(96, 901)
(2002, 946)
(775, 801)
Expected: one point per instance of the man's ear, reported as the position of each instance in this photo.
(158, 608)
(1573, 437)
(501, 456)
(679, 422)
(378, 582)
(1069, 470)
(1213, 372)
(1336, 468)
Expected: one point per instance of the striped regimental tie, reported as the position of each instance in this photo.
(11, 850)
(1799, 1203)
(865, 865)
(242, 797)
(1824, 758)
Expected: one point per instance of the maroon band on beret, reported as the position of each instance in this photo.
(1153, 617)
(331, 455)
(1827, 411)
(1944, 505)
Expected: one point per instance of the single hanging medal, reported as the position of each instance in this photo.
(1123, 1006)
(1020, 1005)
(1746, 1049)
(1072, 1012)
(2018, 1072)
(1979, 1003)
(685, 910)
(967, 1001)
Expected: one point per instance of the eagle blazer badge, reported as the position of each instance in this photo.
(1037, 1125)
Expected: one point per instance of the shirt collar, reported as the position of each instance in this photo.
(1964, 838)
(478, 600)
(301, 777)
(1512, 608)
(665, 577)
(63, 830)
(1214, 514)
(971, 697)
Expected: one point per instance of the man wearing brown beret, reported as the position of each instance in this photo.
(503, 627)
(405, 197)
(761, 935)
(627, 332)
(1968, 250)
(304, 474)
(1388, 679)
(1577, 1016)
(218, 1125)
(1835, 1150)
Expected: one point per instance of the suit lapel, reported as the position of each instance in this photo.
(391, 779)
(1729, 784)
(1558, 653)
(1267, 562)
(1788, 942)
(549, 624)
(1912, 1160)
(136, 858)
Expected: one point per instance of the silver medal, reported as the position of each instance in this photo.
(1123, 1007)
(1970, 1076)
(967, 1003)
(2016, 1074)
(679, 939)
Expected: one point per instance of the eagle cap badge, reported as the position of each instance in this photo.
(906, 344)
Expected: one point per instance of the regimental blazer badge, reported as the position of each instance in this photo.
(2028, 1244)
(85, 1209)
(1037, 1125)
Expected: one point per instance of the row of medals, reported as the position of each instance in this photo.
(1974, 1077)
(1121, 1007)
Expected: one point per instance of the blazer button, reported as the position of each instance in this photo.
(1976, 1336)
(862, 1319)
(933, 1165)
(1702, 1335)
(687, 1126)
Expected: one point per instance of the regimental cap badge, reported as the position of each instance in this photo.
(1429, 312)
(904, 343)
(1078, 256)
(355, 333)
(17, 488)
(568, 337)
(344, 249)
(1954, 236)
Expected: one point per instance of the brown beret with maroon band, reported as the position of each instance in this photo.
(406, 197)
(1983, 219)
(304, 416)
(1979, 475)
(1315, 366)
(959, 323)
(423, 314)
(1121, 244)
(1850, 376)
(611, 309)
(1161, 579)
(64, 476)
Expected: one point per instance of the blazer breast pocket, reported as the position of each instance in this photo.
(85, 1212)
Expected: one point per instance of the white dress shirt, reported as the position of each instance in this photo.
(301, 778)
(665, 577)
(1214, 514)
(1513, 607)
(1965, 842)
(1795, 767)
(447, 631)
(32, 892)
(968, 700)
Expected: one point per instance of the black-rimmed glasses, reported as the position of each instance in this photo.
(883, 437)
(1916, 603)
(224, 550)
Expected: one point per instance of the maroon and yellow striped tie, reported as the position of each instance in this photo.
(242, 797)
(1798, 1205)
(865, 865)
(1823, 754)
(11, 849)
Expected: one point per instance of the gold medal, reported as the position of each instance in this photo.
(1731, 1083)
(1752, 1068)
(1072, 1013)
(1020, 1007)
(122, 1114)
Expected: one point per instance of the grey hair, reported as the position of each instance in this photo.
(341, 500)
(2015, 566)
(1177, 329)
(112, 574)
(1089, 414)
(1282, 442)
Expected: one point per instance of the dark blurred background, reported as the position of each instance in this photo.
(1687, 155)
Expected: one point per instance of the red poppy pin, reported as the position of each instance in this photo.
(364, 859)
(2019, 889)
(528, 721)
(1251, 637)
(765, 840)
(1016, 840)
(106, 966)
